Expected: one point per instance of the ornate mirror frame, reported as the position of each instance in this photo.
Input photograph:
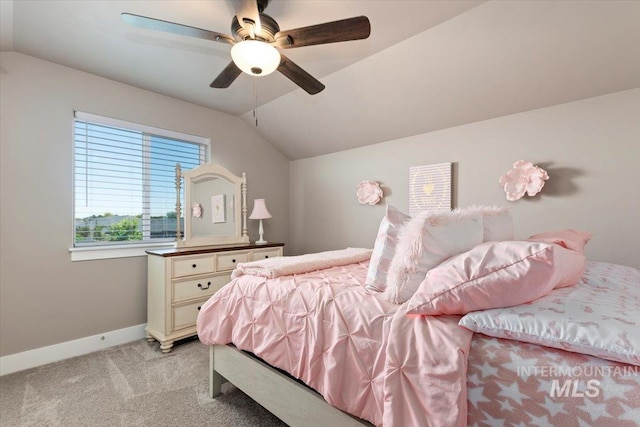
(198, 179)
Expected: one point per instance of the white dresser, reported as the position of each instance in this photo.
(179, 281)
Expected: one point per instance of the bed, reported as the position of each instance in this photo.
(308, 339)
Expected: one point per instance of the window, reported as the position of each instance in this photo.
(124, 181)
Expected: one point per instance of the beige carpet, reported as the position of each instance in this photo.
(129, 385)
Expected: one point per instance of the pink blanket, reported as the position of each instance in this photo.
(363, 354)
(286, 265)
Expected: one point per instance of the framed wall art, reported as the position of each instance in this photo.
(430, 188)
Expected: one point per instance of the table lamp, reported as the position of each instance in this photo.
(260, 212)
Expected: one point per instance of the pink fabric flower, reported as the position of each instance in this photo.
(523, 178)
(369, 192)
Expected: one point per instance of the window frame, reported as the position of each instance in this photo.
(125, 249)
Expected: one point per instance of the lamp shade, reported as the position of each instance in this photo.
(259, 210)
(255, 57)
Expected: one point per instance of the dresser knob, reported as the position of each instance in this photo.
(199, 307)
(203, 288)
(233, 260)
(266, 256)
(194, 266)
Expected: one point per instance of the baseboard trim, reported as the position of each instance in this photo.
(54, 353)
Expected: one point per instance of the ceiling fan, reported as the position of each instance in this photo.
(257, 41)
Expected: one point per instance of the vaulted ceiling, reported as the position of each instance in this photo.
(428, 65)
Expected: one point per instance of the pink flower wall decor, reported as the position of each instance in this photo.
(523, 178)
(369, 192)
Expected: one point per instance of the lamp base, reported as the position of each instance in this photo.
(261, 241)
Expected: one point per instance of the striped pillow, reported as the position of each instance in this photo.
(384, 248)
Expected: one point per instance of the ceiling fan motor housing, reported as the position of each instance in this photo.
(268, 29)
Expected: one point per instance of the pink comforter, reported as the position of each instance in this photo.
(363, 354)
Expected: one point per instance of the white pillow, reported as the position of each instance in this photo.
(424, 242)
(384, 248)
(600, 316)
(497, 222)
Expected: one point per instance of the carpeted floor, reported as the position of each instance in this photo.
(129, 385)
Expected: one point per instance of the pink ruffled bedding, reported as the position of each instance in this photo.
(370, 359)
(349, 344)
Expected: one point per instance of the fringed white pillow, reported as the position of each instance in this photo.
(426, 241)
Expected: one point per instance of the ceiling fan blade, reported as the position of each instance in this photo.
(226, 77)
(299, 76)
(330, 32)
(248, 10)
(172, 27)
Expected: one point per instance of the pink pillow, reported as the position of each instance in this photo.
(426, 241)
(496, 274)
(570, 239)
(384, 248)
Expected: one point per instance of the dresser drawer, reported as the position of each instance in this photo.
(266, 253)
(192, 265)
(185, 316)
(229, 261)
(197, 288)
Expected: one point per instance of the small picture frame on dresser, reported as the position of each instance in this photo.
(218, 209)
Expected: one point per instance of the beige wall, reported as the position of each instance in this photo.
(45, 298)
(590, 148)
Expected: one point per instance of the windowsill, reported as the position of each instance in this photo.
(88, 253)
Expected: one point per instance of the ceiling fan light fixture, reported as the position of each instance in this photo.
(255, 57)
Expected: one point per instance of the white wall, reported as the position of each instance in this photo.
(46, 299)
(590, 148)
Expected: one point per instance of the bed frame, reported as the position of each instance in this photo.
(291, 401)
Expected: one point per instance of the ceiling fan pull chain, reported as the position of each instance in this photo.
(255, 101)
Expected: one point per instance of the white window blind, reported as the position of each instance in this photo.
(124, 180)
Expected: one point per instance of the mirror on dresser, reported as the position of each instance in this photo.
(215, 207)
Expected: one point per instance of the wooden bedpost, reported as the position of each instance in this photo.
(215, 379)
